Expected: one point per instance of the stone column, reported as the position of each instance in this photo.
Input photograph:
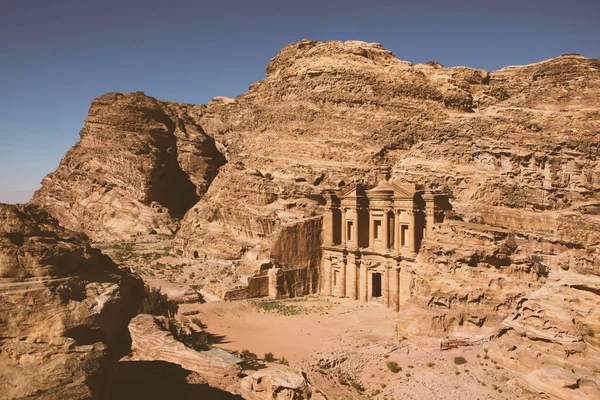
(394, 289)
(355, 229)
(351, 278)
(363, 284)
(344, 235)
(385, 284)
(327, 278)
(332, 226)
(411, 231)
(429, 221)
(396, 233)
(371, 230)
(369, 286)
(328, 227)
(385, 227)
(397, 242)
(342, 292)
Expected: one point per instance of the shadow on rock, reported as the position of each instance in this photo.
(160, 380)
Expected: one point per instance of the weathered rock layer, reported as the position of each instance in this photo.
(140, 165)
(64, 309)
(517, 150)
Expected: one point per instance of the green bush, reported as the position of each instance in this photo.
(247, 354)
(157, 303)
(357, 386)
(202, 342)
(538, 261)
(269, 357)
(393, 366)
(459, 360)
(284, 361)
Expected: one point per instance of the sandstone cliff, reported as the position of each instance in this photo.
(64, 309)
(515, 148)
(139, 166)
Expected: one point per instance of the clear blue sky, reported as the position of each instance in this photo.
(56, 56)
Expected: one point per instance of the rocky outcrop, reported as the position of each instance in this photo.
(64, 309)
(151, 343)
(521, 138)
(139, 166)
(551, 337)
(270, 383)
(515, 149)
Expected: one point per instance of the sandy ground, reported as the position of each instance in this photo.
(154, 259)
(344, 347)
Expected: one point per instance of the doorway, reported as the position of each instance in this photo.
(376, 285)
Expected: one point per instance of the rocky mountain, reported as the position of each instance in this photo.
(64, 309)
(240, 180)
(139, 166)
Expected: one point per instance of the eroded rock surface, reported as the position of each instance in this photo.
(272, 383)
(139, 166)
(151, 343)
(516, 150)
(64, 309)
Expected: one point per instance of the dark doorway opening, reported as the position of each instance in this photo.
(376, 286)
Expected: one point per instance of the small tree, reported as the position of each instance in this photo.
(459, 360)
(393, 366)
(157, 303)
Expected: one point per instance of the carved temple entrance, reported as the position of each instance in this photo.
(371, 236)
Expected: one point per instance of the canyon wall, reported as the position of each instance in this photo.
(64, 309)
(139, 166)
(516, 149)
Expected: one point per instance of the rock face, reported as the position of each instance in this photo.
(271, 383)
(151, 343)
(516, 149)
(139, 166)
(551, 337)
(64, 309)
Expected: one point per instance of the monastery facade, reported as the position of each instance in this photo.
(371, 236)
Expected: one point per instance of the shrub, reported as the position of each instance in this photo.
(198, 323)
(430, 364)
(538, 261)
(393, 366)
(157, 303)
(247, 354)
(201, 343)
(357, 386)
(269, 357)
(284, 361)
(459, 360)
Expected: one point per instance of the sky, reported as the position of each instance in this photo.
(57, 56)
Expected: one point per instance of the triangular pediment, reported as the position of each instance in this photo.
(349, 190)
(403, 190)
